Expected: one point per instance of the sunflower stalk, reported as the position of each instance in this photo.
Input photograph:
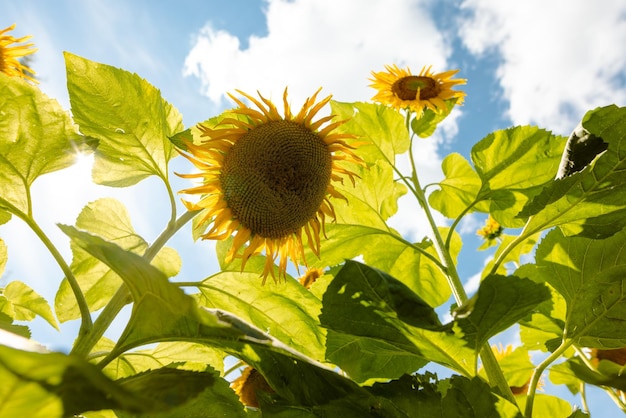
(492, 368)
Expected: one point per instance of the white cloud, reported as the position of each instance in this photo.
(560, 58)
(313, 43)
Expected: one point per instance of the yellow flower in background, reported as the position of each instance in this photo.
(401, 89)
(267, 179)
(310, 277)
(491, 230)
(10, 52)
(248, 385)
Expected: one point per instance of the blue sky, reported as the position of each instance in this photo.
(543, 62)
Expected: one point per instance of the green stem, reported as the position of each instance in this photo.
(85, 324)
(534, 380)
(490, 364)
(122, 297)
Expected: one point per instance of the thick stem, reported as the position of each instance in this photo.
(492, 368)
(85, 324)
(122, 297)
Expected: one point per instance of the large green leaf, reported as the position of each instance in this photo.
(590, 275)
(381, 135)
(107, 218)
(22, 303)
(51, 385)
(286, 310)
(183, 355)
(127, 115)
(378, 328)
(380, 129)
(591, 202)
(36, 137)
(207, 394)
(501, 301)
(514, 165)
(388, 251)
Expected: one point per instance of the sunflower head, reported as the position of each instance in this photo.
(268, 178)
(401, 89)
(10, 52)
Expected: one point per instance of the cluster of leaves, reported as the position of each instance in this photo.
(373, 321)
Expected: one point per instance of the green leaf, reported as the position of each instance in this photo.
(6, 321)
(608, 373)
(55, 385)
(182, 355)
(378, 328)
(4, 256)
(516, 367)
(501, 302)
(373, 200)
(381, 135)
(127, 115)
(36, 137)
(513, 256)
(286, 310)
(590, 202)
(379, 128)
(514, 165)
(425, 125)
(109, 219)
(25, 303)
(188, 393)
(547, 406)
(590, 274)
(459, 189)
(388, 251)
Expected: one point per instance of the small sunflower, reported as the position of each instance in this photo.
(248, 385)
(267, 178)
(9, 53)
(492, 229)
(401, 90)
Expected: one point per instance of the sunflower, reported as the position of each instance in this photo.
(9, 54)
(492, 229)
(268, 179)
(248, 385)
(401, 90)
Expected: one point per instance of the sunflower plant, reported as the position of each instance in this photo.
(319, 307)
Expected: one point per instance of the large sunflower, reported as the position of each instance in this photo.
(9, 53)
(267, 178)
(400, 89)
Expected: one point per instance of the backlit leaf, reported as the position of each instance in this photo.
(501, 302)
(36, 137)
(387, 251)
(109, 219)
(378, 328)
(127, 115)
(459, 189)
(588, 203)
(590, 274)
(514, 165)
(26, 303)
(286, 310)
